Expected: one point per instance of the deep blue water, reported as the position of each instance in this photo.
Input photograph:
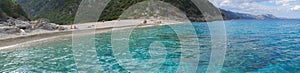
(253, 46)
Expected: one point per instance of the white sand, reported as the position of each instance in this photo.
(16, 39)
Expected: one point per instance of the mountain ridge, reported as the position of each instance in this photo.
(63, 11)
(236, 15)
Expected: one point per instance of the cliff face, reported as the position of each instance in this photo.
(8, 8)
(229, 15)
(63, 11)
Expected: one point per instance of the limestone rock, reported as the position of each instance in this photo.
(13, 26)
(18, 23)
(45, 24)
(9, 30)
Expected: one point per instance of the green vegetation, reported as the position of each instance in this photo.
(63, 11)
(8, 8)
(57, 11)
(116, 7)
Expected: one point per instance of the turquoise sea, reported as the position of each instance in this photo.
(267, 46)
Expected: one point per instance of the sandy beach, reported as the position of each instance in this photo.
(12, 40)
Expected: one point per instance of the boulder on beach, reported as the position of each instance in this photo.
(18, 23)
(50, 26)
(12, 26)
(1, 25)
(9, 30)
(41, 22)
(45, 24)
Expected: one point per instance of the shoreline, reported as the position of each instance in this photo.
(99, 27)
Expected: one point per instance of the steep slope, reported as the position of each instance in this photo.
(63, 11)
(8, 8)
(57, 11)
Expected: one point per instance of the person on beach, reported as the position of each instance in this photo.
(145, 22)
(75, 27)
(158, 22)
(72, 26)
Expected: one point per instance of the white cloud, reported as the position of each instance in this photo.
(282, 8)
(296, 7)
(247, 6)
(285, 2)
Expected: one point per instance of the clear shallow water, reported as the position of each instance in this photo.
(253, 46)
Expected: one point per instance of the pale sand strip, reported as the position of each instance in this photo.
(100, 27)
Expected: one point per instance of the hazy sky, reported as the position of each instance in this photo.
(279, 8)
